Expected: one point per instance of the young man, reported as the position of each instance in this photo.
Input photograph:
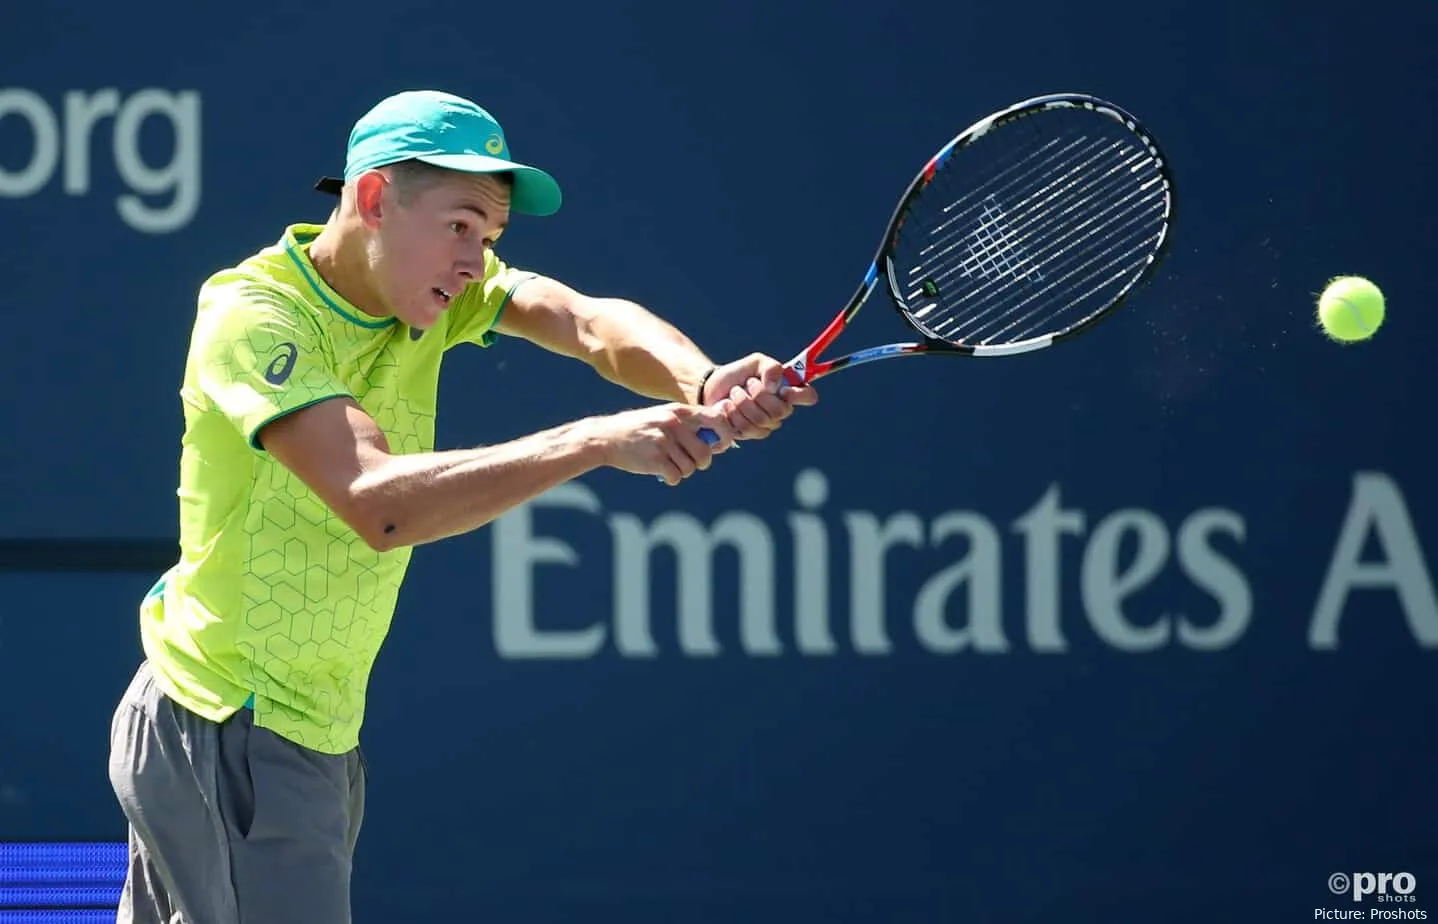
(307, 475)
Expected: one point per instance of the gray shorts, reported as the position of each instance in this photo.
(229, 823)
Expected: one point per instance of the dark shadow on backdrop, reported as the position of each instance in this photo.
(87, 555)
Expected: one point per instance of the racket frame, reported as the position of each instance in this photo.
(806, 366)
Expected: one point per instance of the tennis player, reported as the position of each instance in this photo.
(307, 474)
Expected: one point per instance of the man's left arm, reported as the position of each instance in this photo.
(632, 347)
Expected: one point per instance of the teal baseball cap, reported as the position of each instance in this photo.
(447, 131)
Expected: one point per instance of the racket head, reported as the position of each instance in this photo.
(1029, 227)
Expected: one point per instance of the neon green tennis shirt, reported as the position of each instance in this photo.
(275, 601)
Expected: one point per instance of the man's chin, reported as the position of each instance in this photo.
(423, 317)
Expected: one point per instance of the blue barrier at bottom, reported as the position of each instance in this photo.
(69, 916)
(60, 883)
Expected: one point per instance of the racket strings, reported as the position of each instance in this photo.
(1051, 233)
(1030, 231)
(1097, 276)
(955, 231)
(1065, 255)
(1046, 248)
(1018, 226)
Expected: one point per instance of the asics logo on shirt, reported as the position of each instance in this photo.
(282, 365)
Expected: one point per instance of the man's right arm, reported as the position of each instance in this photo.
(391, 500)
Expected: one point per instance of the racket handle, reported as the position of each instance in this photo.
(710, 437)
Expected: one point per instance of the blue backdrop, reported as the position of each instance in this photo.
(1137, 629)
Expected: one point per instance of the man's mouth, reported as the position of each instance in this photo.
(443, 296)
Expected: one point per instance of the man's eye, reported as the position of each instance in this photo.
(459, 227)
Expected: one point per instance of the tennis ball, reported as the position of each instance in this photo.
(1350, 309)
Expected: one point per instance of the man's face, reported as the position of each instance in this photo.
(431, 244)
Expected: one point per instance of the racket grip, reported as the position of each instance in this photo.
(710, 437)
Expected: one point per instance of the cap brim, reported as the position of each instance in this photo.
(535, 192)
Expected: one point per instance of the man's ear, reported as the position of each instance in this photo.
(369, 193)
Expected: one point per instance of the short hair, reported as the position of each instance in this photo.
(413, 177)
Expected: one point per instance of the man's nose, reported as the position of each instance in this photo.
(471, 267)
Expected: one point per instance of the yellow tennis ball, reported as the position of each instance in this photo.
(1350, 309)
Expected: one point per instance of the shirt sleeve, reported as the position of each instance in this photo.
(257, 357)
(478, 308)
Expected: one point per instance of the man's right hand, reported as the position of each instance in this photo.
(664, 440)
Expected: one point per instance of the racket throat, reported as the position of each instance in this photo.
(796, 370)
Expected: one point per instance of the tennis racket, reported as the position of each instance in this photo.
(1025, 230)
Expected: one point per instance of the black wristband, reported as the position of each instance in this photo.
(703, 383)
